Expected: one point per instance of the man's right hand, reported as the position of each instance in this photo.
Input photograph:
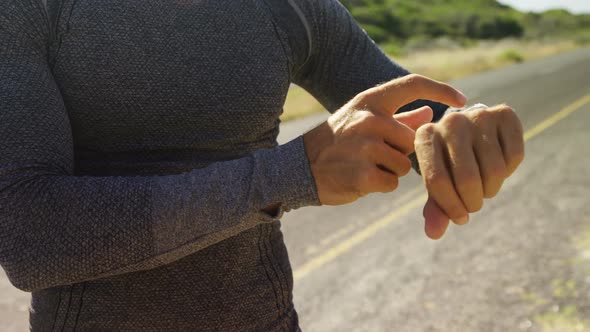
(363, 147)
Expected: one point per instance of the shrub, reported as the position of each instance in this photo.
(512, 56)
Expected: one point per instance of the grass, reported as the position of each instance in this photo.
(567, 319)
(447, 64)
(511, 56)
(560, 313)
(562, 307)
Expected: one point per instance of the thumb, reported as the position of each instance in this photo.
(416, 118)
(436, 221)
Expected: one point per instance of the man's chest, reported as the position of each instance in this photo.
(168, 71)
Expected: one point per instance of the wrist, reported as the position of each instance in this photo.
(316, 140)
(285, 178)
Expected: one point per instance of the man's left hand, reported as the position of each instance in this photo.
(465, 158)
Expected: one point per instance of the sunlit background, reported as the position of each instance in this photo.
(575, 6)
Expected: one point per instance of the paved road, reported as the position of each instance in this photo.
(523, 263)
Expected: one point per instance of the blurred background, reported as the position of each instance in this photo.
(449, 39)
(523, 262)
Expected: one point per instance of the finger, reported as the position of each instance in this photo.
(436, 221)
(382, 181)
(416, 118)
(510, 134)
(390, 96)
(390, 159)
(396, 134)
(431, 155)
(492, 166)
(463, 166)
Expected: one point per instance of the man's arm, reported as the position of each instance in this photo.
(58, 227)
(342, 60)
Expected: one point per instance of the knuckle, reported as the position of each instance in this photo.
(506, 110)
(414, 79)
(428, 128)
(426, 131)
(413, 82)
(363, 99)
(506, 113)
(455, 120)
(359, 121)
(481, 116)
(352, 130)
(435, 181)
(370, 120)
(364, 118)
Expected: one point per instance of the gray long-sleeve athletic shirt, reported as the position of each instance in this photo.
(138, 147)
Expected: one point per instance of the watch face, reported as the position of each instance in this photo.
(476, 107)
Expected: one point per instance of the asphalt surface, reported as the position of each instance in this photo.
(522, 264)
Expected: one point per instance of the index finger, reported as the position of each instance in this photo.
(391, 96)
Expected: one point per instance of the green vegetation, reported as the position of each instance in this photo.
(512, 55)
(402, 25)
(560, 312)
(561, 306)
(567, 319)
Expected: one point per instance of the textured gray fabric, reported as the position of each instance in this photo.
(139, 147)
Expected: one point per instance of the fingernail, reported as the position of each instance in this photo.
(462, 97)
(462, 220)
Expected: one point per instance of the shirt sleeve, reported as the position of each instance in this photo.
(340, 59)
(58, 228)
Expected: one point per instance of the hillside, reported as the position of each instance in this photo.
(396, 24)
